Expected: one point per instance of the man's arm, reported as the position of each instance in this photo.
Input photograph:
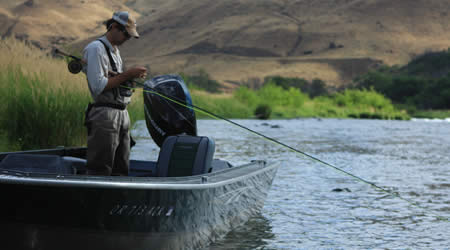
(95, 69)
(95, 72)
(115, 81)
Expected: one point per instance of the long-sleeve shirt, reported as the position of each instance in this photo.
(98, 65)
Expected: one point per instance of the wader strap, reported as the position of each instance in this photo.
(113, 65)
(111, 60)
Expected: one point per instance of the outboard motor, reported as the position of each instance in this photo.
(165, 118)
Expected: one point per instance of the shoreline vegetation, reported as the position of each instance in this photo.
(44, 104)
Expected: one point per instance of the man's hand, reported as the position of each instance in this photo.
(115, 80)
(136, 72)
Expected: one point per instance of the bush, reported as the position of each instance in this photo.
(246, 95)
(363, 98)
(277, 96)
(424, 82)
(316, 88)
(219, 105)
(263, 111)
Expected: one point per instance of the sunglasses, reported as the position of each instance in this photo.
(124, 31)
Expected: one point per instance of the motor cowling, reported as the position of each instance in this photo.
(165, 117)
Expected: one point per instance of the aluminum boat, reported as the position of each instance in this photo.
(184, 200)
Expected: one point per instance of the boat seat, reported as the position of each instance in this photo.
(185, 155)
(142, 168)
(36, 163)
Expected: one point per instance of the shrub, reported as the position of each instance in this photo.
(424, 82)
(222, 105)
(246, 95)
(263, 111)
(315, 88)
(277, 96)
(364, 98)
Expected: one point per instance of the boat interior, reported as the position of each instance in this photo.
(179, 156)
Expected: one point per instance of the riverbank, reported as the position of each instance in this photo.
(292, 103)
(44, 104)
(431, 114)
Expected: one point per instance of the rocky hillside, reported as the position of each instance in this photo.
(55, 22)
(240, 40)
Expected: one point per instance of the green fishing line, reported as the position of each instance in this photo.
(212, 115)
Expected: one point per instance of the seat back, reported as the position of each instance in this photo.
(36, 163)
(184, 155)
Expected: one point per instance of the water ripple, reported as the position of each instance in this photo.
(303, 209)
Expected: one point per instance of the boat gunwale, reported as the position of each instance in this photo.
(204, 181)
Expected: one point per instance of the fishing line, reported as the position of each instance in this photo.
(149, 90)
(77, 69)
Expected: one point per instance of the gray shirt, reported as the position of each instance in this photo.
(98, 65)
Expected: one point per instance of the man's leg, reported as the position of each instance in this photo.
(103, 140)
(122, 157)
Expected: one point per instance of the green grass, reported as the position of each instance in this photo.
(43, 104)
(224, 106)
(432, 114)
(36, 115)
(292, 103)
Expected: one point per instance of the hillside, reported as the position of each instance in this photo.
(55, 22)
(238, 41)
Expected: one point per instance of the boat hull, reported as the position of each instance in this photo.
(122, 213)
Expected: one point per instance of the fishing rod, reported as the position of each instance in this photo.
(75, 65)
(148, 89)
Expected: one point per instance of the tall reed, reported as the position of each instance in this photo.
(37, 114)
(43, 104)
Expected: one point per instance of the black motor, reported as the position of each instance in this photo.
(164, 117)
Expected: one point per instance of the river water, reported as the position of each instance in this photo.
(312, 206)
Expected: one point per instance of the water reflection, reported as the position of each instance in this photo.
(255, 234)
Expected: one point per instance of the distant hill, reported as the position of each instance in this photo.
(237, 40)
(55, 22)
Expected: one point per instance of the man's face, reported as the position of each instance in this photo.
(120, 35)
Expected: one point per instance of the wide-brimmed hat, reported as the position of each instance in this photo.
(125, 19)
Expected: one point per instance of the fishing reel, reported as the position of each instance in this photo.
(75, 66)
(126, 89)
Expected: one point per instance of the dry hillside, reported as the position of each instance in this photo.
(55, 22)
(242, 40)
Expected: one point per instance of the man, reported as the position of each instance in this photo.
(107, 119)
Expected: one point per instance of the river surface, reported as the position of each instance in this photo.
(304, 208)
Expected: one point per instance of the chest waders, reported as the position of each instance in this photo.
(108, 125)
